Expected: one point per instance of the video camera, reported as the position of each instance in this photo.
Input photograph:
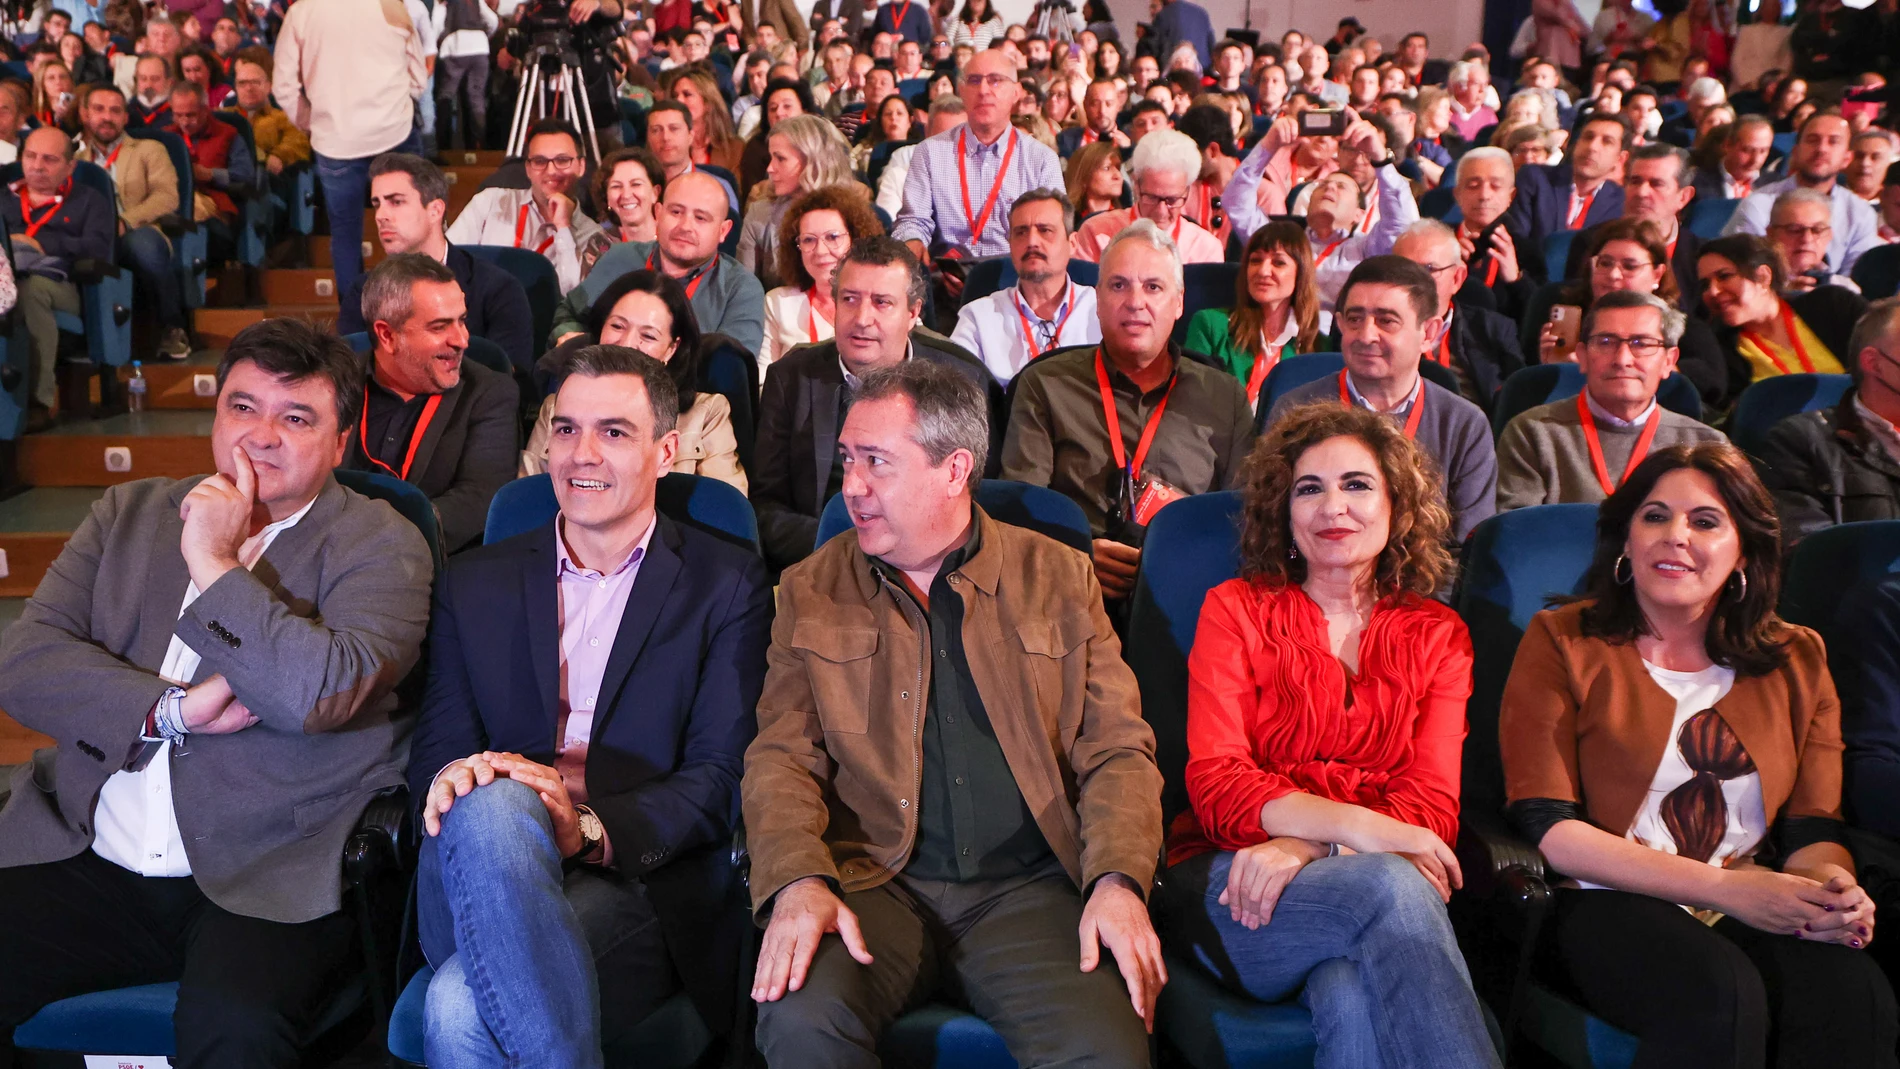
(543, 31)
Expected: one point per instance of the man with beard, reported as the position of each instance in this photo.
(544, 217)
(1045, 310)
(1821, 153)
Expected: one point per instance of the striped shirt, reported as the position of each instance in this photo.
(933, 211)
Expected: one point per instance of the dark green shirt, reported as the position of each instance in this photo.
(972, 821)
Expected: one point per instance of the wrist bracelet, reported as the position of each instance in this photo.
(1332, 849)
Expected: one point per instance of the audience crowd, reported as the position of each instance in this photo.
(859, 269)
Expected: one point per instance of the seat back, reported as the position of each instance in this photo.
(1207, 286)
(1294, 372)
(1192, 547)
(1831, 563)
(1540, 384)
(729, 370)
(1766, 403)
(180, 157)
(406, 498)
(988, 276)
(1708, 217)
(1437, 202)
(1513, 564)
(1557, 254)
(1877, 272)
(536, 275)
(489, 355)
(712, 506)
(1038, 508)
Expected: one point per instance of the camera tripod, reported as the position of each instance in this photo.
(1052, 22)
(552, 83)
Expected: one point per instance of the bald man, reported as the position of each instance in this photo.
(52, 229)
(693, 217)
(1479, 345)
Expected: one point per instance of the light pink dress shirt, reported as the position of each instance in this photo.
(591, 605)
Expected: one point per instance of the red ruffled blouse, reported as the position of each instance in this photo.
(1271, 711)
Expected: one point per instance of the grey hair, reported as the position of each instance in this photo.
(1043, 193)
(1706, 90)
(1146, 232)
(881, 250)
(1547, 115)
(948, 104)
(1800, 195)
(389, 288)
(1461, 72)
(1892, 139)
(1433, 229)
(952, 412)
(599, 361)
(1167, 150)
(1876, 324)
(1486, 152)
(1658, 150)
(1673, 321)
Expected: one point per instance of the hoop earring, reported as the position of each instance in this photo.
(1741, 574)
(1616, 570)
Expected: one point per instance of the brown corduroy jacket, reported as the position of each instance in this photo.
(832, 780)
(1583, 722)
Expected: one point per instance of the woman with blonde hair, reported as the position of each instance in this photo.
(807, 153)
(54, 103)
(1276, 309)
(819, 228)
(714, 140)
(1095, 180)
(1037, 127)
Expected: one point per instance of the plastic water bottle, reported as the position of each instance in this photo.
(135, 389)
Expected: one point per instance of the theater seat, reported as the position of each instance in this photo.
(1708, 217)
(1037, 508)
(674, 1037)
(1832, 563)
(1206, 286)
(1769, 401)
(940, 1037)
(1557, 253)
(1210, 1026)
(988, 276)
(1294, 372)
(718, 508)
(537, 277)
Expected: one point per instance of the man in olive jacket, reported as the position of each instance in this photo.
(951, 772)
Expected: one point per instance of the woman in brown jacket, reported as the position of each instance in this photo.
(1675, 751)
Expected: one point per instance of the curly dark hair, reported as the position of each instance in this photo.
(848, 201)
(1415, 558)
(1744, 632)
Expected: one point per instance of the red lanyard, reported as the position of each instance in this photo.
(1672, 246)
(1366, 220)
(1115, 423)
(1762, 343)
(1328, 251)
(897, 20)
(811, 311)
(521, 230)
(1637, 454)
(185, 137)
(112, 159)
(691, 287)
(1443, 356)
(52, 208)
(1029, 336)
(963, 178)
(1411, 420)
(415, 436)
(1580, 209)
(1206, 218)
(1262, 364)
(1089, 136)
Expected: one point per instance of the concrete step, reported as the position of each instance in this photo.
(320, 253)
(309, 285)
(190, 384)
(34, 527)
(217, 326)
(118, 449)
(490, 158)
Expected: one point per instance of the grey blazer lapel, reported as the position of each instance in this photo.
(166, 580)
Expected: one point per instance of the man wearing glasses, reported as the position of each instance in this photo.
(1165, 166)
(543, 217)
(1820, 154)
(1801, 225)
(962, 182)
(1580, 448)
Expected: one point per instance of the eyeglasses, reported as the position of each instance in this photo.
(542, 163)
(994, 81)
(832, 239)
(1641, 346)
(1163, 202)
(1430, 270)
(1818, 230)
(1628, 267)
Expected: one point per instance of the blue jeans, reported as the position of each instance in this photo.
(345, 185)
(525, 956)
(145, 251)
(1364, 942)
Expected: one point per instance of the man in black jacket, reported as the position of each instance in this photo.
(410, 197)
(1480, 346)
(1842, 464)
(879, 292)
(54, 224)
(431, 418)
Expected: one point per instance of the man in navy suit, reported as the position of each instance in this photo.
(591, 694)
(1577, 193)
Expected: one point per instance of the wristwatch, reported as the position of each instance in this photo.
(592, 835)
(1391, 160)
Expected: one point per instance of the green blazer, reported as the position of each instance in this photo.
(1208, 333)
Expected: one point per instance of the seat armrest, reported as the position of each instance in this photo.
(380, 837)
(91, 272)
(175, 225)
(1497, 861)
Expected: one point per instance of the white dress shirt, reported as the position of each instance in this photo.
(992, 328)
(135, 826)
(493, 216)
(890, 184)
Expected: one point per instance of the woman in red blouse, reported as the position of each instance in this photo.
(1326, 712)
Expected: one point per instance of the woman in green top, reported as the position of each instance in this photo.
(1275, 312)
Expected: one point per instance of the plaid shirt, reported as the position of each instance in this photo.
(933, 211)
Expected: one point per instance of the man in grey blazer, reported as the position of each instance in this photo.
(214, 659)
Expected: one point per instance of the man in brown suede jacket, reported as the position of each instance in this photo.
(952, 783)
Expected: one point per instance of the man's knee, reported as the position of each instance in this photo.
(38, 293)
(451, 1020)
(145, 248)
(227, 1026)
(812, 1020)
(502, 814)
